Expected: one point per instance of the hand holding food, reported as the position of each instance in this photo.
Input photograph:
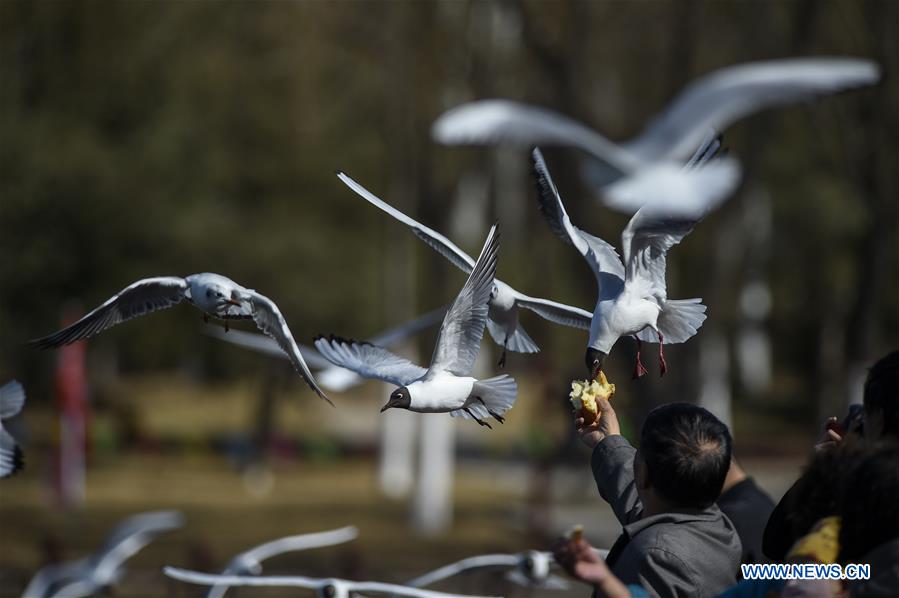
(584, 394)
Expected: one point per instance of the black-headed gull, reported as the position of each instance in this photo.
(447, 385)
(714, 101)
(89, 576)
(502, 321)
(213, 294)
(324, 587)
(331, 376)
(12, 398)
(250, 561)
(632, 296)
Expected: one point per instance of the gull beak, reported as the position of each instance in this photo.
(233, 302)
(386, 407)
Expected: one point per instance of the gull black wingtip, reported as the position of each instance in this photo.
(43, 344)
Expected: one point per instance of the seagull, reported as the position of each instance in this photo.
(213, 294)
(531, 568)
(324, 587)
(250, 561)
(12, 398)
(714, 101)
(329, 375)
(632, 296)
(447, 385)
(505, 301)
(88, 576)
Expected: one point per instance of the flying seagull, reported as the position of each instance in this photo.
(323, 587)
(502, 321)
(250, 562)
(531, 568)
(714, 101)
(329, 375)
(88, 576)
(447, 385)
(632, 297)
(213, 294)
(12, 398)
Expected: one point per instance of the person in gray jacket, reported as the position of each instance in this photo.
(675, 541)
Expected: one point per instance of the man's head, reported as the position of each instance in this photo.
(684, 456)
(881, 398)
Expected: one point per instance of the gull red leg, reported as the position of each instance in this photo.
(639, 368)
(663, 366)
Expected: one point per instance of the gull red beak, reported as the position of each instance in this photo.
(233, 302)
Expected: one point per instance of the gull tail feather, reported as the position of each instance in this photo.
(680, 319)
(498, 393)
(518, 341)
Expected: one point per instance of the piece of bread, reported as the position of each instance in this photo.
(584, 394)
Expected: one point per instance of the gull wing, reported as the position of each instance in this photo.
(559, 313)
(269, 320)
(250, 560)
(264, 344)
(646, 241)
(435, 240)
(142, 297)
(722, 97)
(491, 122)
(369, 361)
(127, 539)
(342, 586)
(606, 266)
(485, 561)
(460, 334)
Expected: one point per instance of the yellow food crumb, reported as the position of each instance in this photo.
(575, 533)
(585, 392)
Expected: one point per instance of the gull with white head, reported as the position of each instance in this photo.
(213, 294)
(447, 385)
(632, 296)
(714, 101)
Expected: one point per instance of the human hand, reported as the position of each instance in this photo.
(581, 561)
(831, 434)
(605, 425)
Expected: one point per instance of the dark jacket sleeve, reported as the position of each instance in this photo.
(613, 469)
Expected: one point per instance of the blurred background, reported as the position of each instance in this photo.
(143, 139)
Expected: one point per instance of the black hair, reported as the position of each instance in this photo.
(687, 452)
(882, 392)
(817, 492)
(869, 506)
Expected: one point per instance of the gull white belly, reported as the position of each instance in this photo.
(441, 394)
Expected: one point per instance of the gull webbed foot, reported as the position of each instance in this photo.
(480, 421)
(492, 413)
